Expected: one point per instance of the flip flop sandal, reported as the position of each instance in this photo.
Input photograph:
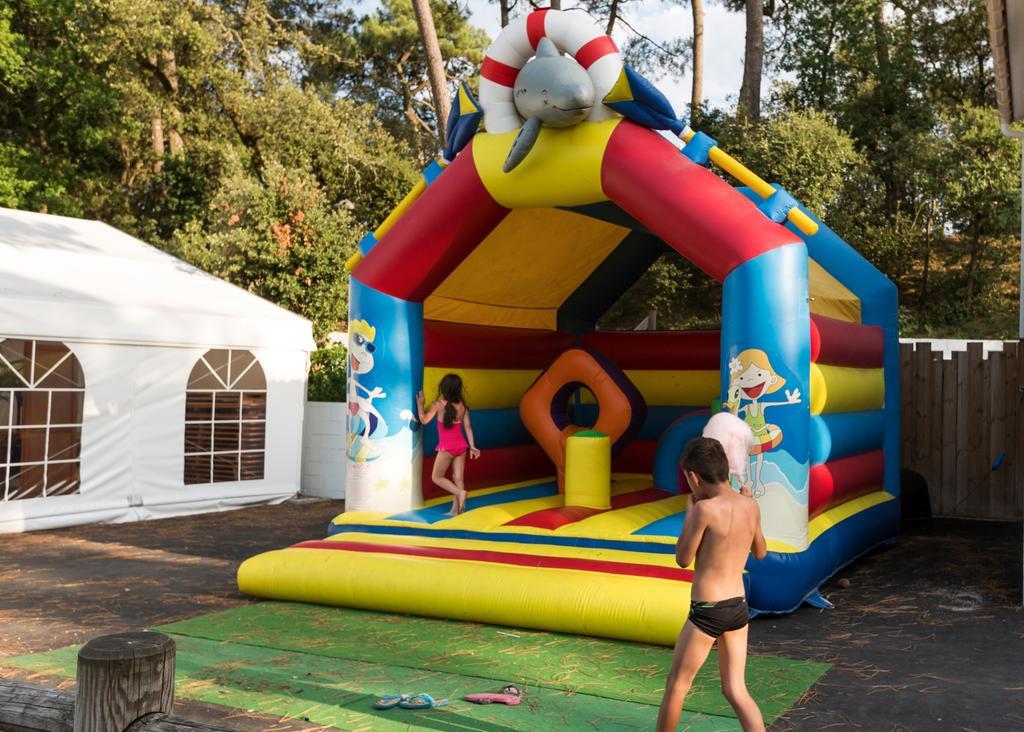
(422, 701)
(390, 701)
(509, 699)
(510, 695)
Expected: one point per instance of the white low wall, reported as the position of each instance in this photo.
(949, 346)
(323, 449)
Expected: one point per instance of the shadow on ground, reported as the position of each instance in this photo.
(928, 635)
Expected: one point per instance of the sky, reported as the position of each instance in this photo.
(723, 43)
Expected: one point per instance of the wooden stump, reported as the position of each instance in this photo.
(121, 678)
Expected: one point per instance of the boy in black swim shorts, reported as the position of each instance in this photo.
(721, 528)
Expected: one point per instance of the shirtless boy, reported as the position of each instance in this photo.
(720, 529)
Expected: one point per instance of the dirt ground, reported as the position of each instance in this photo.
(929, 634)
(64, 587)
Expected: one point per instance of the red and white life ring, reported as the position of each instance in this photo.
(572, 33)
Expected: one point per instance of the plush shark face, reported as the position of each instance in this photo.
(553, 88)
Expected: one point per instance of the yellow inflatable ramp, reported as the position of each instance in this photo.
(518, 557)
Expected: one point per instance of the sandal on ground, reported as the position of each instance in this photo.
(390, 701)
(510, 695)
(422, 701)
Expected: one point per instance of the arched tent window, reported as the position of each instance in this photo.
(225, 418)
(42, 390)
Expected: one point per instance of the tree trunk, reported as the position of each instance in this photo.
(753, 62)
(972, 268)
(121, 678)
(613, 15)
(927, 254)
(165, 68)
(697, 91)
(435, 64)
(175, 143)
(886, 106)
(156, 136)
(169, 70)
(556, 4)
(504, 12)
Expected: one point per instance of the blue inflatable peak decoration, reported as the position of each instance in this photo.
(463, 121)
(639, 101)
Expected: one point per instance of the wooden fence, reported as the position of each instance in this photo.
(962, 428)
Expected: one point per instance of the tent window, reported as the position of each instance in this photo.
(42, 391)
(225, 418)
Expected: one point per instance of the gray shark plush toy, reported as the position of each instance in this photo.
(552, 90)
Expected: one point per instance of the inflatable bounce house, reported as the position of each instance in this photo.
(497, 267)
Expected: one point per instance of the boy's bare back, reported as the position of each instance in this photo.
(720, 529)
(730, 523)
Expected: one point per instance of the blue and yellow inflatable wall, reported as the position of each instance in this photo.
(495, 276)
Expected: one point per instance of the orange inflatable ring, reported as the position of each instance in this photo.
(544, 408)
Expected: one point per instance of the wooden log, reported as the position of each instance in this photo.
(163, 723)
(33, 708)
(121, 678)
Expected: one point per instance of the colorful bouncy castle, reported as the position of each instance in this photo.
(576, 502)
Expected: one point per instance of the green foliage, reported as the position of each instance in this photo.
(188, 125)
(934, 201)
(378, 60)
(279, 238)
(682, 296)
(261, 140)
(803, 151)
(13, 71)
(327, 371)
(982, 169)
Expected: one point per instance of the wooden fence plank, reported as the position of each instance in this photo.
(922, 431)
(985, 459)
(976, 474)
(906, 407)
(957, 417)
(949, 421)
(1011, 402)
(935, 425)
(962, 432)
(1019, 446)
(996, 503)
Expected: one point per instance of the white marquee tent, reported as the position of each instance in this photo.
(135, 386)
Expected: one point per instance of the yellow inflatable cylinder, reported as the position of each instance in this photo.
(588, 470)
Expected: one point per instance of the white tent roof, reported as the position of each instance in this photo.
(72, 279)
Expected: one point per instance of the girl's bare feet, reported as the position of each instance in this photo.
(458, 503)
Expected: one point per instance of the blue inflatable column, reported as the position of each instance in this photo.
(765, 381)
(383, 447)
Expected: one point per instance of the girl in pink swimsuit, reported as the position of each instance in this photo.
(452, 444)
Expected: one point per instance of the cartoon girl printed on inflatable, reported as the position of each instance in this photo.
(751, 379)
